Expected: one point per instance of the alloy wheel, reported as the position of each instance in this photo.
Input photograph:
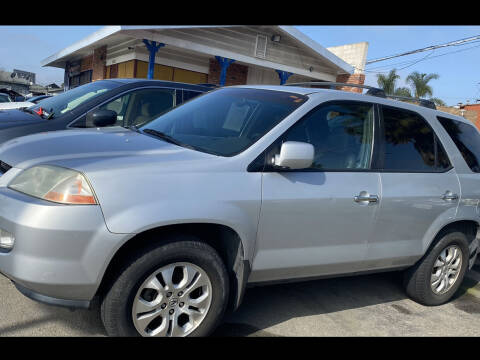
(172, 301)
(446, 269)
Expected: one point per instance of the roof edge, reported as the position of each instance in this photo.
(312, 44)
(89, 40)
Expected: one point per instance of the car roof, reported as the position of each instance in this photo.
(126, 81)
(386, 101)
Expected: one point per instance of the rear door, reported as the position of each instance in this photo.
(419, 187)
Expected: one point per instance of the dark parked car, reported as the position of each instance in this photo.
(122, 102)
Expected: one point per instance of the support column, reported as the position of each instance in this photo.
(152, 47)
(66, 78)
(283, 75)
(224, 63)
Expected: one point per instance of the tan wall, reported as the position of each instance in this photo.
(126, 69)
(139, 69)
(467, 114)
(476, 109)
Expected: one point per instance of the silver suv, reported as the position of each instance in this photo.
(168, 223)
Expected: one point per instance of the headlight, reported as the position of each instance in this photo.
(54, 183)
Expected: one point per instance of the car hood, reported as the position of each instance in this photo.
(90, 148)
(14, 117)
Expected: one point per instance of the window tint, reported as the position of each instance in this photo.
(467, 140)
(118, 105)
(341, 134)
(136, 107)
(147, 104)
(443, 162)
(4, 98)
(187, 94)
(409, 144)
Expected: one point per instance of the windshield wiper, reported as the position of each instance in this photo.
(169, 139)
(132, 127)
(165, 137)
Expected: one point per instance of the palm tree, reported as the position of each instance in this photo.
(403, 91)
(387, 82)
(419, 83)
(438, 101)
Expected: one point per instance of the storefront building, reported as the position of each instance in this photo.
(224, 55)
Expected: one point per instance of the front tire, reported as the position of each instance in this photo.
(178, 287)
(438, 275)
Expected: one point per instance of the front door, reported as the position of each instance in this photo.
(317, 221)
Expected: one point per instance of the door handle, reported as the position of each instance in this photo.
(365, 198)
(449, 196)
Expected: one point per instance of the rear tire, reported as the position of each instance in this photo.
(431, 283)
(182, 259)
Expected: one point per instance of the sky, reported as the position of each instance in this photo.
(23, 47)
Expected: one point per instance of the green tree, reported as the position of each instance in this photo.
(419, 83)
(387, 82)
(438, 101)
(403, 91)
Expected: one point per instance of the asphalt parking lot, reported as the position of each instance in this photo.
(369, 305)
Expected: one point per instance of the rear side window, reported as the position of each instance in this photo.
(467, 140)
(408, 144)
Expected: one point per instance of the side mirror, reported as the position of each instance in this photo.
(101, 118)
(19, 98)
(295, 155)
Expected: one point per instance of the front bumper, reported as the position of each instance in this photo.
(60, 252)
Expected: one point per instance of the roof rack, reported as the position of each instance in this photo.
(422, 102)
(373, 91)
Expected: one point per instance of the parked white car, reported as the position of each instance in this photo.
(7, 103)
(15, 105)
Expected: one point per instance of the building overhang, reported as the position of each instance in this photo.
(301, 50)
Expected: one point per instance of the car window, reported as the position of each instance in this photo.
(467, 140)
(69, 100)
(228, 120)
(409, 144)
(185, 95)
(147, 104)
(340, 132)
(136, 107)
(119, 105)
(4, 98)
(188, 94)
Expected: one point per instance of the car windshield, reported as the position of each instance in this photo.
(224, 122)
(4, 98)
(69, 100)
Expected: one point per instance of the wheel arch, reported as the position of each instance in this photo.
(468, 226)
(225, 240)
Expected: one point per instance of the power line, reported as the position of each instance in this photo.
(415, 61)
(410, 61)
(433, 47)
